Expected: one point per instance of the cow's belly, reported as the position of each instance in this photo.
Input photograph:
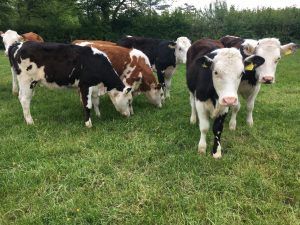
(169, 71)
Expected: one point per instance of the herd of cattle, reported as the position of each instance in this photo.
(217, 71)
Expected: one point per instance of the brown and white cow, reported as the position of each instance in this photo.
(268, 48)
(134, 69)
(10, 37)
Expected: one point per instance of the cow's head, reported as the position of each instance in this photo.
(272, 51)
(227, 67)
(155, 95)
(122, 100)
(182, 46)
(10, 37)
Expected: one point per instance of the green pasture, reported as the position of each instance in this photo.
(145, 169)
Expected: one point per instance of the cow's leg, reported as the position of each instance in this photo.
(193, 118)
(203, 125)
(161, 79)
(86, 97)
(95, 100)
(234, 111)
(168, 81)
(25, 96)
(217, 129)
(15, 87)
(250, 105)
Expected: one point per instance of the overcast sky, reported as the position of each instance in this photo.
(242, 4)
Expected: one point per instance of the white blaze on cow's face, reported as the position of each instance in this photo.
(182, 46)
(122, 100)
(227, 67)
(10, 37)
(156, 95)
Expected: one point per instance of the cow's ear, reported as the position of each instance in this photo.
(172, 44)
(253, 61)
(1, 33)
(288, 48)
(205, 61)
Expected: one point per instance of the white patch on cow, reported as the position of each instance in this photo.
(138, 53)
(15, 86)
(249, 46)
(89, 98)
(70, 75)
(10, 37)
(182, 46)
(203, 125)
(227, 67)
(102, 89)
(88, 123)
(218, 154)
(84, 43)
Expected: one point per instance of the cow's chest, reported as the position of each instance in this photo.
(214, 111)
(246, 89)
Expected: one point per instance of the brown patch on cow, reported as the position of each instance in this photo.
(94, 42)
(141, 76)
(230, 41)
(32, 37)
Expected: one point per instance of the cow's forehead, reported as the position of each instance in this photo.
(228, 60)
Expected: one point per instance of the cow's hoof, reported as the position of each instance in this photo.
(98, 114)
(88, 123)
(218, 154)
(232, 125)
(201, 149)
(250, 123)
(193, 120)
(29, 121)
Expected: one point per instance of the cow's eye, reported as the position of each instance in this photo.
(216, 73)
(180, 49)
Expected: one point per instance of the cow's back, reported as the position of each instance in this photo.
(32, 37)
(232, 41)
(94, 42)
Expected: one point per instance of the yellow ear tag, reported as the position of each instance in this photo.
(288, 52)
(250, 67)
(204, 66)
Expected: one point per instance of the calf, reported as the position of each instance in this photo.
(64, 65)
(134, 69)
(163, 55)
(268, 48)
(10, 37)
(213, 77)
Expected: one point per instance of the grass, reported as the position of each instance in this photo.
(145, 169)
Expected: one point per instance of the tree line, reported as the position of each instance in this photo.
(64, 21)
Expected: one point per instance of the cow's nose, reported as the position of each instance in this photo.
(229, 101)
(268, 79)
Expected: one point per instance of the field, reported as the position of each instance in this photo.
(145, 169)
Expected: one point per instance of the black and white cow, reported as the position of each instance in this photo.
(163, 55)
(268, 48)
(213, 77)
(64, 65)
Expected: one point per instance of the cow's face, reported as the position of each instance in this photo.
(155, 95)
(227, 67)
(272, 51)
(10, 37)
(182, 46)
(122, 100)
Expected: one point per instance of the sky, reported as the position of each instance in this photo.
(242, 4)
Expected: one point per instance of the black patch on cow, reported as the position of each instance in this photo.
(33, 84)
(250, 76)
(217, 130)
(11, 51)
(29, 68)
(157, 50)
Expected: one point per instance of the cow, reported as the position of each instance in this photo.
(94, 42)
(65, 65)
(164, 55)
(134, 69)
(10, 37)
(272, 51)
(213, 76)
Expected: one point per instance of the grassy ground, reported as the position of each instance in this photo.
(145, 169)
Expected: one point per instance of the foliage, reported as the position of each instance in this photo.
(63, 21)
